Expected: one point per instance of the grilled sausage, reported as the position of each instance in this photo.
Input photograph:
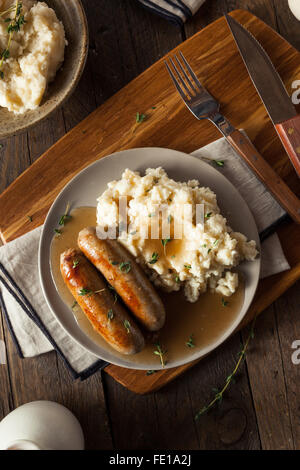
(107, 317)
(121, 270)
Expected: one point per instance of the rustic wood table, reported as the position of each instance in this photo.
(261, 411)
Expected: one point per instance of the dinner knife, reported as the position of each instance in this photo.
(271, 90)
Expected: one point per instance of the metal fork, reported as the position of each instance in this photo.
(204, 106)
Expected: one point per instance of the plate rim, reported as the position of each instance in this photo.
(137, 366)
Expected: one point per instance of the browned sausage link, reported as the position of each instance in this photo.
(93, 296)
(127, 278)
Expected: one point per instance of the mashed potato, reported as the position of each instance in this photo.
(36, 53)
(199, 260)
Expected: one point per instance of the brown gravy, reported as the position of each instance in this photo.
(206, 320)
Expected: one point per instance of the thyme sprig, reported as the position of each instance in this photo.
(161, 353)
(66, 216)
(231, 377)
(14, 25)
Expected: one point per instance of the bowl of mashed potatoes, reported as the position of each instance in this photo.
(44, 48)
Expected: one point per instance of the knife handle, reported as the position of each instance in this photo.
(289, 133)
(281, 192)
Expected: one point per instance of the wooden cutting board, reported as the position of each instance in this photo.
(112, 127)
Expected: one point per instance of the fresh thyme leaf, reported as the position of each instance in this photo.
(218, 162)
(225, 303)
(74, 304)
(110, 314)
(187, 266)
(177, 279)
(140, 117)
(209, 250)
(57, 231)
(64, 218)
(127, 326)
(13, 26)
(153, 107)
(159, 352)
(154, 258)
(164, 242)
(85, 291)
(29, 217)
(216, 242)
(75, 263)
(114, 292)
(190, 343)
(125, 267)
(207, 216)
(150, 372)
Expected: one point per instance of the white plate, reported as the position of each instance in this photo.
(84, 189)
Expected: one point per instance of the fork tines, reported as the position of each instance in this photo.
(188, 86)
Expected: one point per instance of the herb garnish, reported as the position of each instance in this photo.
(207, 216)
(85, 291)
(65, 217)
(150, 372)
(225, 303)
(125, 266)
(74, 304)
(29, 217)
(57, 231)
(190, 343)
(114, 263)
(75, 263)
(14, 26)
(154, 258)
(110, 314)
(159, 352)
(218, 162)
(177, 279)
(114, 292)
(140, 117)
(164, 243)
(231, 377)
(127, 325)
(187, 266)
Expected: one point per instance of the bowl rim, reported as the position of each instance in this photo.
(79, 71)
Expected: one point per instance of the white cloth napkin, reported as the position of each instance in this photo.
(177, 11)
(33, 326)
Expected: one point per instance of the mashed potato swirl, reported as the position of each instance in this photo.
(197, 262)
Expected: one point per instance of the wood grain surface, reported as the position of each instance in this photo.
(125, 40)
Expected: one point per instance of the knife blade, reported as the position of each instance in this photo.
(270, 88)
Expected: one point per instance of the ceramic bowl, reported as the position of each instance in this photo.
(84, 189)
(41, 425)
(72, 14)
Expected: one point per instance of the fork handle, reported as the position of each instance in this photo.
(281, 192)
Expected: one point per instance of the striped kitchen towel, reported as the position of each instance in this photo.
(176, 11)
